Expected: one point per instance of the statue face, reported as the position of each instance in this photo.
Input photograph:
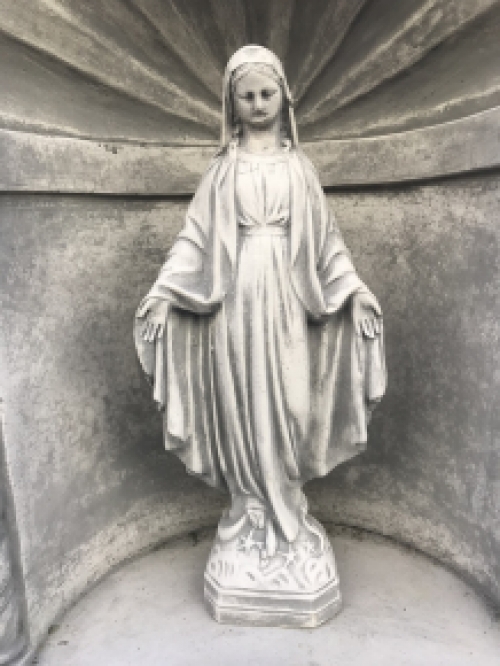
(257, 100)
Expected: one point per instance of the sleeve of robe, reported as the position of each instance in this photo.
(194, 280)
(348, 372)
(196, 274)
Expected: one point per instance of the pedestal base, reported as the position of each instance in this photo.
(294, 585)
(265, 610)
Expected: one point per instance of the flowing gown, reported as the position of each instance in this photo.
(261, 357)
(256, 398)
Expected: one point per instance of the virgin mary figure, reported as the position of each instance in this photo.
(263, 345)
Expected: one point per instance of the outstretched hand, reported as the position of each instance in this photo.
(366, 314)
(155, 310)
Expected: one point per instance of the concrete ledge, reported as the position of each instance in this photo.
(37, 163)
(462, 146)
(400, 608)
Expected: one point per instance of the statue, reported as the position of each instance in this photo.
(265, 352)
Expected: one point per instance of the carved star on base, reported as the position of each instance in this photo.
(247, 543)
(310, 549)
(290, 557)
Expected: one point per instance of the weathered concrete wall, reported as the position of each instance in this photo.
(431, 475)
(12, 620)
(91, 482)
(123, 99)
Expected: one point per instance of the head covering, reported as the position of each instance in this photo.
(253, 55)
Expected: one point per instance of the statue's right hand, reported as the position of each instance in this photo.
(155, 311)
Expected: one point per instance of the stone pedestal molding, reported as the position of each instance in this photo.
(256, 578)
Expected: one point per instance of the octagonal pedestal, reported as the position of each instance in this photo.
(272, 610)
(290, 585)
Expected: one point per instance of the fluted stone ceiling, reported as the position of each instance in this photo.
(149, 72)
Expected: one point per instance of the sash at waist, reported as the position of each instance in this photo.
(264, 230)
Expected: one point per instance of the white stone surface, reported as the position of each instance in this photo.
(399, 608)
(254, 577)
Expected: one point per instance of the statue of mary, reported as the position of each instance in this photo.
(265, 351)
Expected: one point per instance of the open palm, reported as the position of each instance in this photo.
(155, 312)
(367, 314)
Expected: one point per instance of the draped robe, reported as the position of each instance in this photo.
(191, 367)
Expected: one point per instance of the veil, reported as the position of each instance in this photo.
(258, 55)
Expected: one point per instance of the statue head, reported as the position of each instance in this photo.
(248, 67)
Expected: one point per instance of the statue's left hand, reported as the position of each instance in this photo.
(366, 313)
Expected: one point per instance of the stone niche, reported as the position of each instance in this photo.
(108, 115)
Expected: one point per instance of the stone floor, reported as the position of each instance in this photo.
(400, 609)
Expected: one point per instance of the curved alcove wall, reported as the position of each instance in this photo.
(108, 116)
